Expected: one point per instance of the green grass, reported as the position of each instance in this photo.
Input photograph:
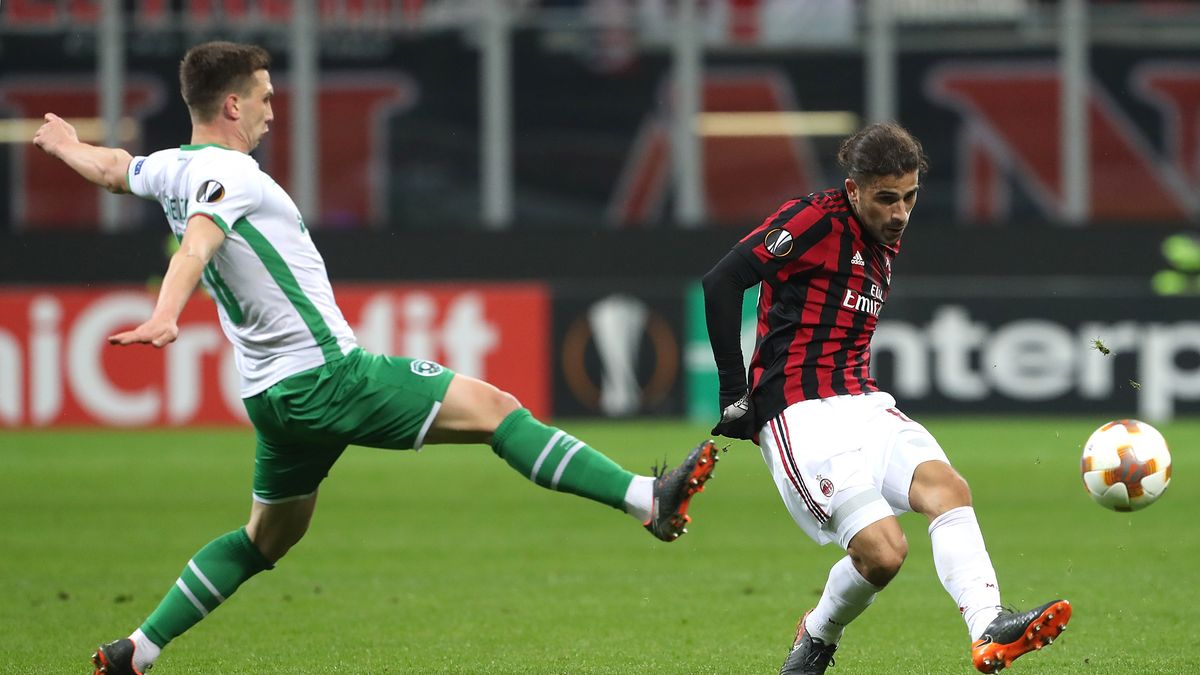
(447, 561)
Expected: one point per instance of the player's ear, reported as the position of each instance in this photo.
(852, 189)
(231, 108)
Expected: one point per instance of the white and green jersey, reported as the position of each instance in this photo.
(273, 294)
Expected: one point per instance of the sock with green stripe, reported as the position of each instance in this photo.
(209, 578)
(556, 460)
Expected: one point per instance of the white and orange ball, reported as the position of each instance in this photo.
(1126, 465)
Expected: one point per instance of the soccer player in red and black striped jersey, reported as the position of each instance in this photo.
(845, 460)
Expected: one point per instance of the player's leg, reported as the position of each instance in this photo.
(212, 575)
(402, 403)
(476, 411)
(878, 550)
(960, 556)
(919, 478)
(290, 463)
(874, 554)
(276, 527)
(846, 595)
(832, 495)
(207, 580)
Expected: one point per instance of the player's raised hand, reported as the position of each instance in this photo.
(157, 332)
(54, 133)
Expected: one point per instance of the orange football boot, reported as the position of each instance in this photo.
(1013, 634)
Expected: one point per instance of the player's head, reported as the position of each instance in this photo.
(884, 164)
(228, 83)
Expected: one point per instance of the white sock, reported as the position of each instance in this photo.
(846, 595)
(144, 651)
(965, 568)
(639, 498)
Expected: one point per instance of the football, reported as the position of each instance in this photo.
(1126, 465)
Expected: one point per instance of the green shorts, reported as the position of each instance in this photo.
(305, 421)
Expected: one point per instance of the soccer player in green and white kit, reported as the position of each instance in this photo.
(309, 390)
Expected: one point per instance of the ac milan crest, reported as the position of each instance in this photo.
(826, 487)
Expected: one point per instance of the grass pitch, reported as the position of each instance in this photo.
(448, 561)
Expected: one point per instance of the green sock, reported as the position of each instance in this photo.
(210, 577)
(556, 460)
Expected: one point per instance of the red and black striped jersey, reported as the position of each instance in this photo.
(825, 279)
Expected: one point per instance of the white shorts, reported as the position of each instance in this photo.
(844, 462)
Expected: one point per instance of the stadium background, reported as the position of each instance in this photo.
(478, 145)
(529, 192)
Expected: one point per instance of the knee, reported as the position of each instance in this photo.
(958, 493)
(274, 533)
(951, 494)
(884, 563)
(482, 406)
(879, 558)
(471, 412)
(275, 542)
(492, 407)
(939, 490)
(503, 403)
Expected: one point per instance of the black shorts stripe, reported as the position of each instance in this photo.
(780, 430)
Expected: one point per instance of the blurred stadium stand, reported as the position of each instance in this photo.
(620, 146)
(426, 114)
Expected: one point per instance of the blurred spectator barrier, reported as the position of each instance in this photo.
(510, 114)
(56, 368)
(583, 349)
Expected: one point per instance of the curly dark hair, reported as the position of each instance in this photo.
(212, 70)
(882, 149)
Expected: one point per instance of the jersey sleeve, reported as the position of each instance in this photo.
(146, 175)
(791, 237)
(224, 191)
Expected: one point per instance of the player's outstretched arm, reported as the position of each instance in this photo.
(106, 167)
(200, 242)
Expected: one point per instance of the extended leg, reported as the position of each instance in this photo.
(475, 411)
(999, 636)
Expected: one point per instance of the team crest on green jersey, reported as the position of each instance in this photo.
(426, 368)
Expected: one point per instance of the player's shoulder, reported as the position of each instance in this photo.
(215, 157)
(229, 172)
(833, 201)
(216, 174)
(801, 213)
(164, 154)
(155, 160)
(146, 173)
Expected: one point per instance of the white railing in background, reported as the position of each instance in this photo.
(306, 159)
(1073, 120)
(496, 179)
(687, 29)
(110, 59)
(686, 150)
